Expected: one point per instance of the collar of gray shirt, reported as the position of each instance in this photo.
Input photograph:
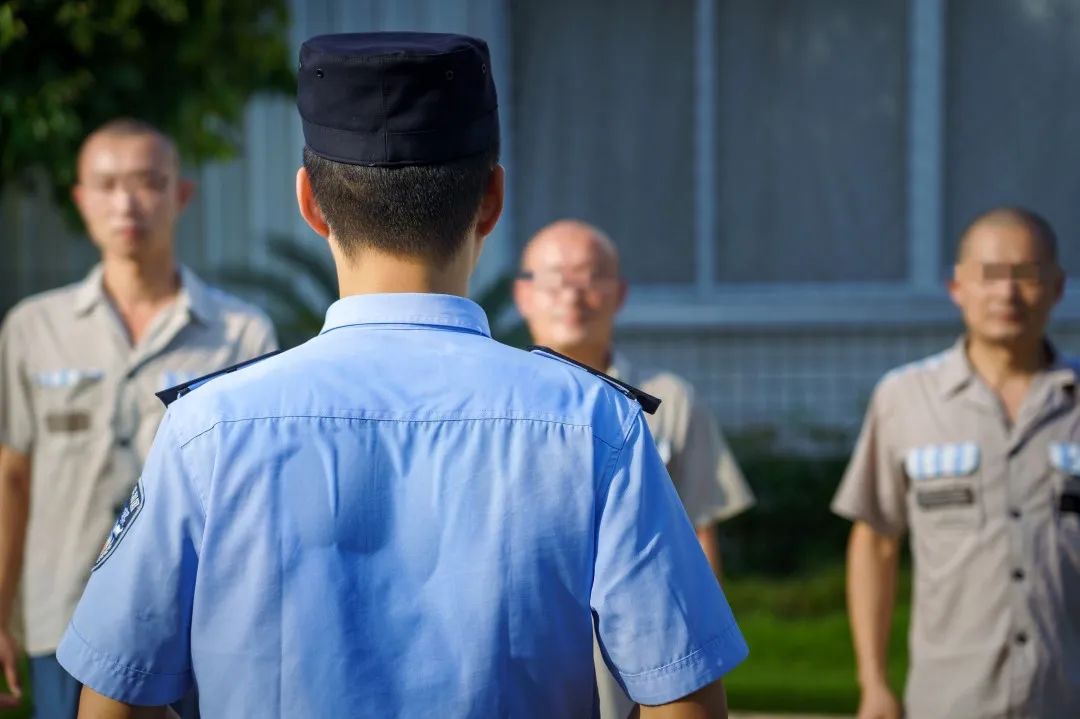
(193, 295)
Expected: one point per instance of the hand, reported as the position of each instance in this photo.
(878, 702)
(9, 662)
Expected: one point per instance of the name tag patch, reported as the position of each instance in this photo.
(940, 498)
(124, 521)
(67, 421)
(942, 460)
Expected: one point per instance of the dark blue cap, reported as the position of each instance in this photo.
(397, 98)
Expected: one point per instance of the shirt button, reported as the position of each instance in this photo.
(1018, 574)
(1014, 513)
(124, 442)
(1021, 638)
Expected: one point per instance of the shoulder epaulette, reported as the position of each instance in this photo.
(649, 404)
(170, 395)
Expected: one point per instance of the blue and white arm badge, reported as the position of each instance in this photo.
(124, 521)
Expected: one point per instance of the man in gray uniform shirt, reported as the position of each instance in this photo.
(976, 453)
(78, 370)
(569, 292)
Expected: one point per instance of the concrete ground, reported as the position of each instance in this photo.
(756, 715)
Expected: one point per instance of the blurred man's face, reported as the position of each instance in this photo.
(1006, 284)
(570, 289)
(130, 194)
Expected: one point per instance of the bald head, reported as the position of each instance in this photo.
(564, 235)
(570, 290)
(125, 127)
(1010, 218)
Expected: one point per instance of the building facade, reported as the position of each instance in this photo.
(785, 179)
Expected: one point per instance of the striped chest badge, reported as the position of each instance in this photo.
(124, 521)
(934, 461)
(1065, 457)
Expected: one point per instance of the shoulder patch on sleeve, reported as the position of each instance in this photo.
(123, 523)
(170, 395)
(649, 404)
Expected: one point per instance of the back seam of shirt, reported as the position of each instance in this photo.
(440, 420)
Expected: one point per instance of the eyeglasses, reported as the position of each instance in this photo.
(555, 280)
(1028, 273)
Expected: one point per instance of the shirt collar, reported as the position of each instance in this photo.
(193, 295)
(406, 308)
(956, 370)
(196, 295)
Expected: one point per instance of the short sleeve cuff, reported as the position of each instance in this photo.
(685, 676)
(876, 522)
(21, 442)
(111, 679)
(721, 512)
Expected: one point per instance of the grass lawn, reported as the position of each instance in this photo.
(800, 645)
(22, 712)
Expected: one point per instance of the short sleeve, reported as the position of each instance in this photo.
(130, 636)
(16, 410)
(662, 622)
(873, 489)
(710, 483)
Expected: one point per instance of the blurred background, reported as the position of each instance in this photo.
(785, 180)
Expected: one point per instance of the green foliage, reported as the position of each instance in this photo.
(801, 658)
(295, 289)
(301, 283)
(188, 66)
(791, 529)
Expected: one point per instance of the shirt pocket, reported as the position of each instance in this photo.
(68, 403)
(944, 485)
(1065, 462)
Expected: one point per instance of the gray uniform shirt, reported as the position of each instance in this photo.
(78, 398)
(702, 468)
(991, 508)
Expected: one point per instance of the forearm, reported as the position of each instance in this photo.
(94, 706)
(14, 514)
(709, 702)
(707, 537)
(871, 591)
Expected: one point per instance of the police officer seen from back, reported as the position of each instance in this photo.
(402, 517)
(975, 453)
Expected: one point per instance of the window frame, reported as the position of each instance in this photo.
(918, 300)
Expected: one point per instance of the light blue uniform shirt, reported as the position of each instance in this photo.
(402, 518)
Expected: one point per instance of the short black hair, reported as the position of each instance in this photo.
(1035, 223)
(418, 211)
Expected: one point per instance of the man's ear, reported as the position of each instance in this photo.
(953, 285)
(523, 297)
(309, 208)
(77, 196)
(185, 190)
(623, 290)
(491, 205)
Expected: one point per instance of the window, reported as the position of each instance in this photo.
(1013, 114)
(810, 149)
(603, 117)
(751, 148)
